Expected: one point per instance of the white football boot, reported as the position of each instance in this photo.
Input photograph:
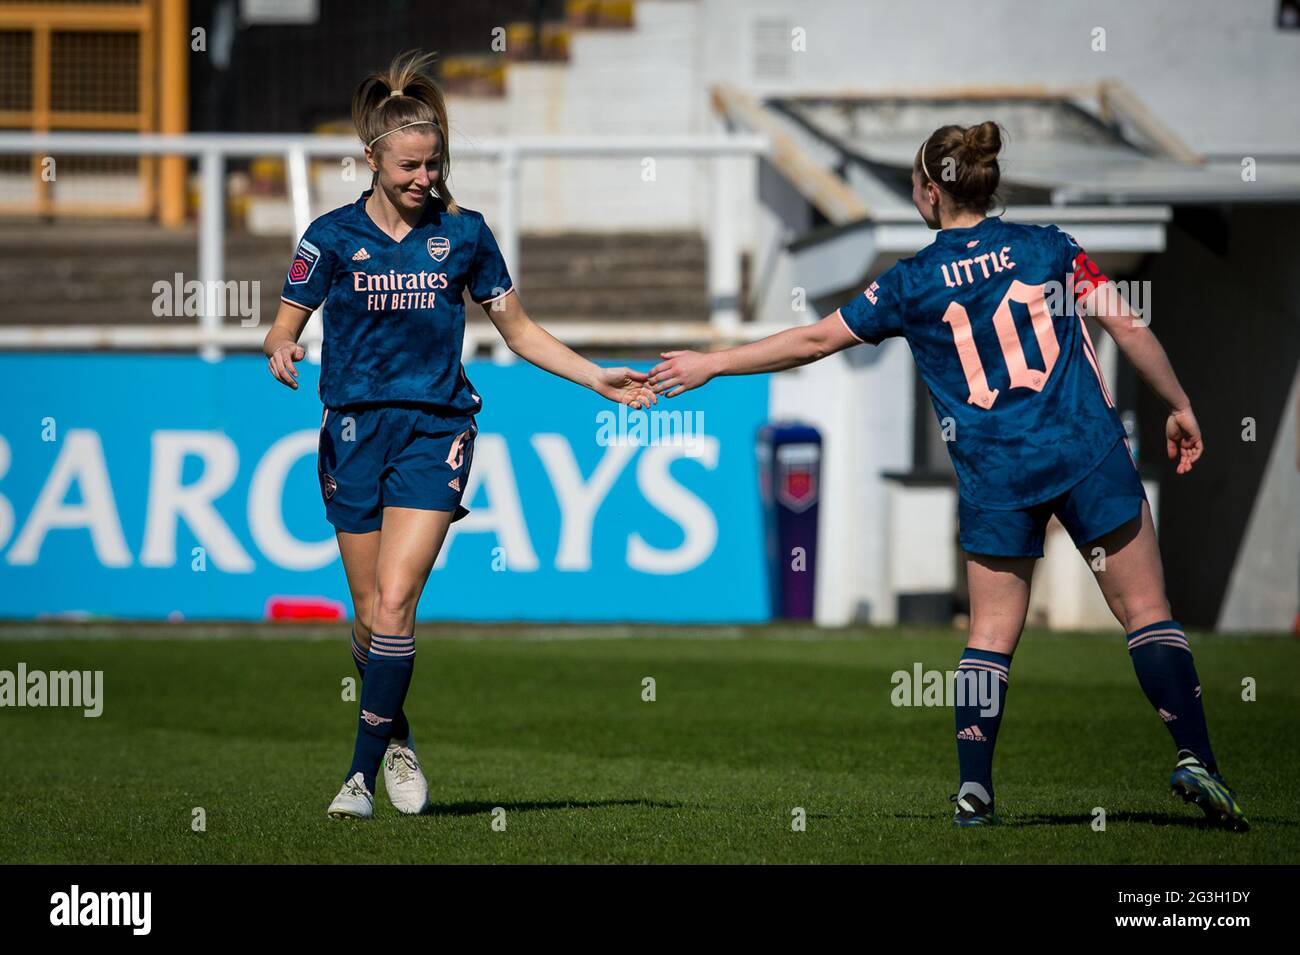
(354, 801)
(404, 781)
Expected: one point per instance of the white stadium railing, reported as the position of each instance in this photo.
(212, 337)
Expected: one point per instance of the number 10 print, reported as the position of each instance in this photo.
(1022, 376)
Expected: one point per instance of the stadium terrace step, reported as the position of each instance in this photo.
(75, 273)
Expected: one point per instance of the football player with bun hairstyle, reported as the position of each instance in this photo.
(397, 434)
(993, 312)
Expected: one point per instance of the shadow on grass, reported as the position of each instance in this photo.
(1085, 819)
(478, 808)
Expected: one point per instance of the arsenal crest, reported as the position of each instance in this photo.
(439, 247)
(328, 485)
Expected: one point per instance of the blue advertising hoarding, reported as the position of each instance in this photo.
(144, 486)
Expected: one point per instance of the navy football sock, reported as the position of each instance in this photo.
(984, 675)
(401, 728)
(1165, 669)
(388, 675)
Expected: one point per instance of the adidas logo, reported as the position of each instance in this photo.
(454, 483)
(1166, 715)
(973, 733)
(360, 255)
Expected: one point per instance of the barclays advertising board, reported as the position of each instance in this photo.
(169, 487)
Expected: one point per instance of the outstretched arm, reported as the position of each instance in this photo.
(1141, 347)
(537, 346)
(683, 370)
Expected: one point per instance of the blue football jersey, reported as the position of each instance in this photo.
(990, 314)
(394, 313)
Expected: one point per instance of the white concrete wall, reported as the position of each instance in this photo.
(1218, 74)
(922, 529)
(1262, 589)
(640, 82)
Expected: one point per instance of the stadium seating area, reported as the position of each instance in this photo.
(103, 273)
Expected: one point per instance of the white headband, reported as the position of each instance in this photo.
(418, 122)
(923, 169)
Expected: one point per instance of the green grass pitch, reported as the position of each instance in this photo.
(548, 723)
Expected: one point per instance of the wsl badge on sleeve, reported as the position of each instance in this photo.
(304, 263)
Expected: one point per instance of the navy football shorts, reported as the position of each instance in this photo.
(392, 456)
(1110, 496)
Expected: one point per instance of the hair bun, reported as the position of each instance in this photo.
(983, 141)
(966, 159)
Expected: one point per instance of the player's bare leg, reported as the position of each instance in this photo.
(1132, 580)
(999, 601)
(1131, 574)
(410, 543)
